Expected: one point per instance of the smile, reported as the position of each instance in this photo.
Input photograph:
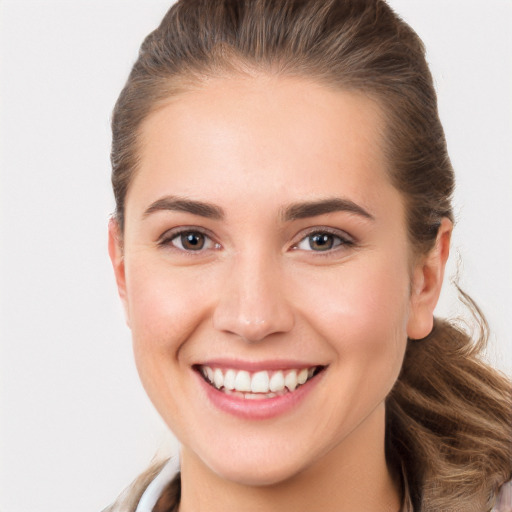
(263, 384)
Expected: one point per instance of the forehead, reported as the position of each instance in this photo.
(264, 136)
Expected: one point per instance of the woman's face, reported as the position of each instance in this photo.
(266, 274)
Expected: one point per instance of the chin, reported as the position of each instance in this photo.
(262, 464)
(257, 474)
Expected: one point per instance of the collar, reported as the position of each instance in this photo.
(158, 484)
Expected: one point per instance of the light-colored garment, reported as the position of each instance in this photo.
(171, 468)
(160, 482)
(504, 501)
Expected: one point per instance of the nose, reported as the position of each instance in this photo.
(252, 304)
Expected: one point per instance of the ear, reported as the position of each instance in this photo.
(427, 281)
(116, 253)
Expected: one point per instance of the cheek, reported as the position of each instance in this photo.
(165, 305)
(362, 310)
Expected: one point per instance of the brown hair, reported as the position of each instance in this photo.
(448, 416)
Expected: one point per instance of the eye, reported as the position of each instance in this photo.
(322, 241)
(189, 240)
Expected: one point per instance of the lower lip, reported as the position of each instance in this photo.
(259, 409)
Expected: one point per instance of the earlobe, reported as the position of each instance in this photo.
(426, 284)
(116, 253)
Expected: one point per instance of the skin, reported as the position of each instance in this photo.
(259, 291)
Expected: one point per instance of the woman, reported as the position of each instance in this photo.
(282, 227)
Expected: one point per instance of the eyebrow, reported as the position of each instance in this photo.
(321, 207)
(292, 212)
(181, 204)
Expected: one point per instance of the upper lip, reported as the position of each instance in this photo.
(255, 366)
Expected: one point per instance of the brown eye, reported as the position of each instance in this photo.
(188, 241)
(191, 241)
(321, 241)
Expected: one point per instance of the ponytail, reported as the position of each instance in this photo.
(449, 421)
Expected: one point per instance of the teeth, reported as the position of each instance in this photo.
(253, 396)
(262, 384)
(290, 381)
(302, 376)
(277, 381)
(243, 381)
(229, 379)
(218, 378)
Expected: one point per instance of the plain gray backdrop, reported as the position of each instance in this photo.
(75, 425)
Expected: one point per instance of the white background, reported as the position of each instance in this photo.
(75, 425)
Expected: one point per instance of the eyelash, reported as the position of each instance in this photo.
(169, 236)
(343, 240)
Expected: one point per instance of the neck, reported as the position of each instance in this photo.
(352, 476)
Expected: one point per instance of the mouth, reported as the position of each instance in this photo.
(258, 385)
